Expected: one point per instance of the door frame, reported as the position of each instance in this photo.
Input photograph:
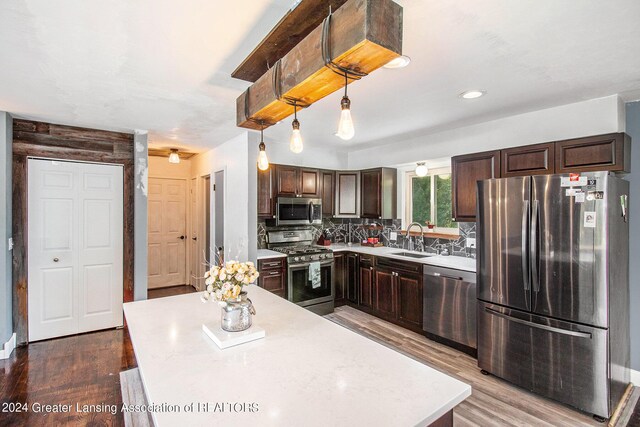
(64, 143)
(187, 224)
(213, 206)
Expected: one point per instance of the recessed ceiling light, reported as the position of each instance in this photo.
(472, 94)
(399, 62)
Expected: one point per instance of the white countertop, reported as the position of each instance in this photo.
(306, 371)
(267, 253)
(450, 261)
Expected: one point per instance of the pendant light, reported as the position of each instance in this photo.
(421, 169)
(295, 143)
(174, 157)
(263, 161)
(345, 125)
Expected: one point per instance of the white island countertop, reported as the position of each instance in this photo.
(307, 371)
(268, 253)
(449, 261)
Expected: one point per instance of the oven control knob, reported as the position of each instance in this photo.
(320, 256)
(304, 258)
(296, 258)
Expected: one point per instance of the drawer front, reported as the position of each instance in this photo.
(559, 360)
(270, 264)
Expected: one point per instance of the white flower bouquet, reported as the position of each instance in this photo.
(224, 283)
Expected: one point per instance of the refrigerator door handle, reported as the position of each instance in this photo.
(533, 247)
(578, 334)
(525, 256)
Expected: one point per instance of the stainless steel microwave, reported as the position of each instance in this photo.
(298, 211)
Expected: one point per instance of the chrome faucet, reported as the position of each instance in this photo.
(410, 244)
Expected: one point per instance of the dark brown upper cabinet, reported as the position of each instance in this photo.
(347, 201)
(608, 152)
(292, 181)
(309, 182)
(327, 179)
(466, 171)
(265, 194)
(378, 197)
(538, 159)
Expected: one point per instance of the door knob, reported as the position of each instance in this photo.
(194, 238)
(56, 259)
(181, 237)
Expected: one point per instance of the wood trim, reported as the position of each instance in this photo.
(38, 139)
(432, 235)
(292, 28)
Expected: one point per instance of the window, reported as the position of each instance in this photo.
(428, 199)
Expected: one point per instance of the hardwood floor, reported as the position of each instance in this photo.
(80, 369)
(493, 402)
(170, 291)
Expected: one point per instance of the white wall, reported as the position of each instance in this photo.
(237, 157)
(593, 117)
(279, 153)
(159, 167)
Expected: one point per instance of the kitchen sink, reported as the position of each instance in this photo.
(412, 254)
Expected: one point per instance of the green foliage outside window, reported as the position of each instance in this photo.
(421, 189)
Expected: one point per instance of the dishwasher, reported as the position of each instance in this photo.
(450, 305)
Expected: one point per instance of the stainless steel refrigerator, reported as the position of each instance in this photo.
(553, 286)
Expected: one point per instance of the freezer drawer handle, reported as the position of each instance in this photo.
(535, 325)
(445, 276)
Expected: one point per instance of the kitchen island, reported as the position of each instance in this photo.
(306, 371)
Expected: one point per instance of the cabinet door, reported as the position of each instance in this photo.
(274, 281)
(466, 171)
(366, 285)
(347, 195)
(340, 279)
(536, 159)
(328, 193)
(287, 181)
(409, 299)
(265, 196)
(352, 275)
(309, 183)
(371, 194)
(596, 153)
(385, 293)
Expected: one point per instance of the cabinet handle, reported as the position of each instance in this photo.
(371, 268)
(273, 273)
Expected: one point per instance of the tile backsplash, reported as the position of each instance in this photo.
(341, 230)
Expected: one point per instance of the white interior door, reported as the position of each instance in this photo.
(167, 221)
(75, 231)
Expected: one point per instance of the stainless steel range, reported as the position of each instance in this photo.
(310, 269)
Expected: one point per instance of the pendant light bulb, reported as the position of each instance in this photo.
(295, 143)
(421, 169)
(263, 161)
(346, 131)
(174, 157)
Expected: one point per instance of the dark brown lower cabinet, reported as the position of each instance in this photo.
(366, 285)
(385, 293)
(410, 300)
(273, 276)
(340, 279)
(352, 274)
(386, 288)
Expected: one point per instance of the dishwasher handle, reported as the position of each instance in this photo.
(444, 276)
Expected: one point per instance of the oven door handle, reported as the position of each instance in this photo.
(310, 212)
(306, 264)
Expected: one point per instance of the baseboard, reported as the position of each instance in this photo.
(635, 377)
(8, 347)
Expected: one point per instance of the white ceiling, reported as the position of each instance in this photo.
(164, 66)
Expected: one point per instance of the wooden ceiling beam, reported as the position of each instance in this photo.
(287, 33)
(364, 35)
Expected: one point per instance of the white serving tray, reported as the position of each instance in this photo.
(224, 339)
